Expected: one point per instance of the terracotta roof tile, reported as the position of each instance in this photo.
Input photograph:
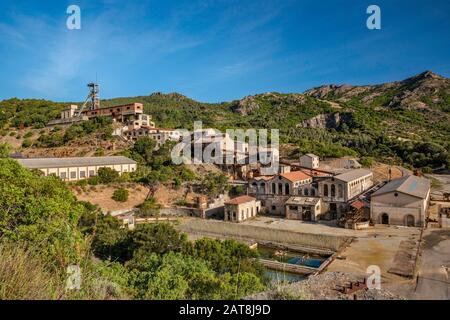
(240, 200)
(295, 176)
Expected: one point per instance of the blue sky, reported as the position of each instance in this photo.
(214, 50)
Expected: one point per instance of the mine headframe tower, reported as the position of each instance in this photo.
(92, 98)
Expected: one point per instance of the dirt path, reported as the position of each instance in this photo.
(433, 281)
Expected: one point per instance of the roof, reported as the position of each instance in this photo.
(39, 163)
(303, 200)
(353, 175)
(358, 204)
(240, 200)
(311, 155)
(266, 178)
(295, 176)
(412, 185)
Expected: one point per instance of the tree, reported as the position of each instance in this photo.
(144, 147)
(159, 238)
(41, 212)
(107, 175)
(214, 184)
(5, 149)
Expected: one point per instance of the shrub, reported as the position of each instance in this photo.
(107, 175)
(120, 195)
(26, 143)
(29, 134)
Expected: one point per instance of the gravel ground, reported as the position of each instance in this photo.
(323, 287)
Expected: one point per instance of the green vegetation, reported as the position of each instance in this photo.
(5, 150)
(43, 229)
(214, 184)
(120, 195)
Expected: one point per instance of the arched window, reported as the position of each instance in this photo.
(274, 188)
(333, 190)
(313, 192)
(340, 191)
(306, 192)
(286, 188)
(280, 188)
(325, 190)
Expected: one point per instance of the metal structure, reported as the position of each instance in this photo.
(92, 97)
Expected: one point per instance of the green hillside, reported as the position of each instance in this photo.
(401, 122)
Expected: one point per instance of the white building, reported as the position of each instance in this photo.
(338, 190)
(310, 161)
(402, 201)
(241, 208)
(73, 169)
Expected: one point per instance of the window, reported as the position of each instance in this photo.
(82, 174)
(91, 173)
(274, 188)
(340, 191)
(280, 188)
(63, 175)
(333, 190)
(286, 188)
(293, 208)
(325, 190)
(306, 192)
(73, 175)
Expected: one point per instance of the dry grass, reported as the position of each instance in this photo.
(24, 276)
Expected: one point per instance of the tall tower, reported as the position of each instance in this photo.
(93, 93)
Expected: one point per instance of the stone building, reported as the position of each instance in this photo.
(310, 161)
(338, 190)
(402, 201)
(274, 191)
(241, 208)
(73, 169)
(304, 208)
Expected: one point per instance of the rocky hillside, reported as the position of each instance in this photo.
(426, 91)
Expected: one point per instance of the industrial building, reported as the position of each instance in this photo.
(74, 169)
(402, 202)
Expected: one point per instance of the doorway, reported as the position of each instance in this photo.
(384, 218)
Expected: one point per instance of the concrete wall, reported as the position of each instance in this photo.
(242, 231)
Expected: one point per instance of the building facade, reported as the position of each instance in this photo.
(402, 202)
(74, 169)
(339, 190)
(304, 208)
(310, 161)
(241, 208)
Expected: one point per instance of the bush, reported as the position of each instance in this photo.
(107, 175)
(26, 143)
(120, 195)
(29, 134)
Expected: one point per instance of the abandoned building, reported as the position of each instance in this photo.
(160, 136)
(274, 191)
(402, 202)
(310, 161)
(73, 169)
(241, 208)
(339, 190)
(304, 208)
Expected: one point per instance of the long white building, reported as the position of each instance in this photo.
(73, 169)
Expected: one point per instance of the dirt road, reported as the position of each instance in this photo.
(433, 280)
